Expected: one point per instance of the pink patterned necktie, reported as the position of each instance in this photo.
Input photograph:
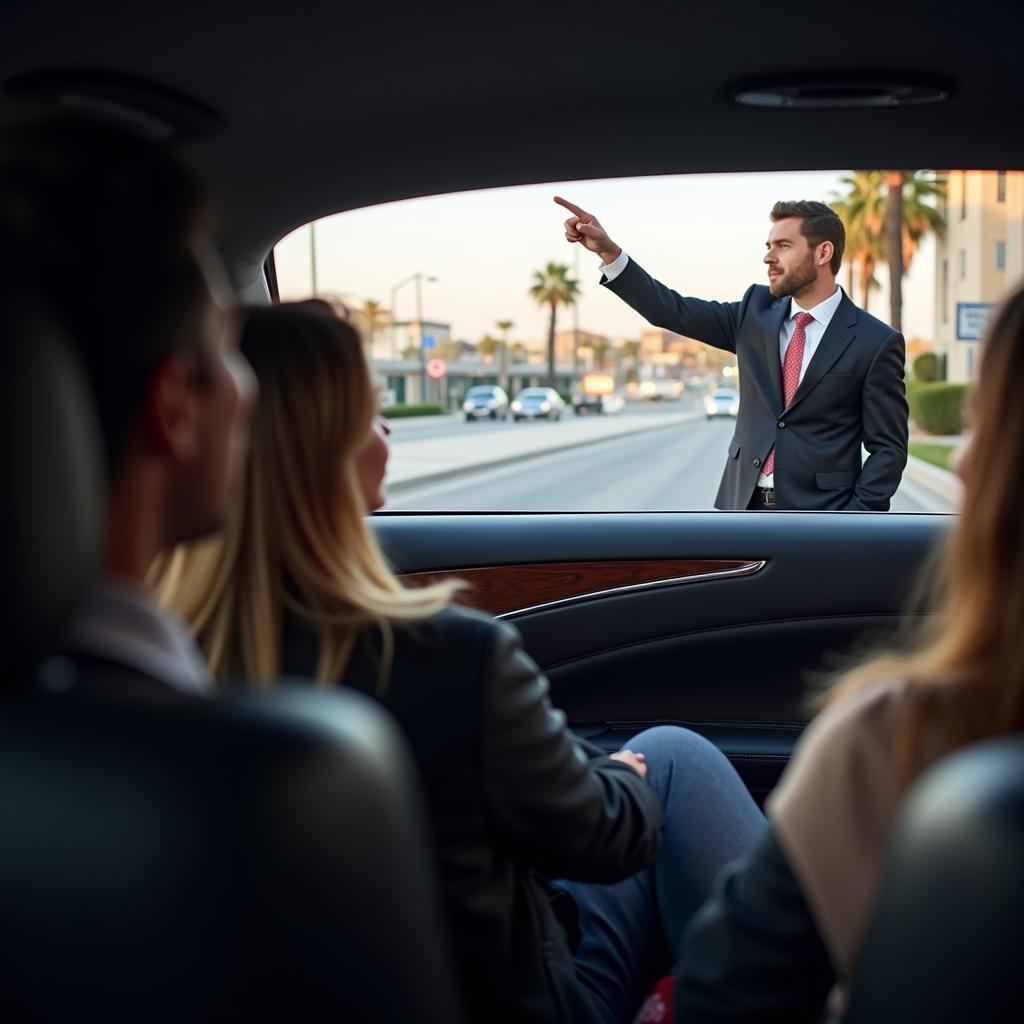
(790, 374)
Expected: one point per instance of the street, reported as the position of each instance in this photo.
(673, 463)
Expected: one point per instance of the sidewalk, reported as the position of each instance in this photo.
(940, 482)
(417, 462)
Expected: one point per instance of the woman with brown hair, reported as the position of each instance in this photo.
(786, 922)
(296, 585)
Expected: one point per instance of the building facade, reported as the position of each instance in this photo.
(978, 259)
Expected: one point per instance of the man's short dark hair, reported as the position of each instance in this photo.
(106, 224)
(820, 224)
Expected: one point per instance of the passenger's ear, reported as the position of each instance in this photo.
(172, 411)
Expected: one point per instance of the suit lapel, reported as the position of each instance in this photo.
(838, 335)
(776, 315)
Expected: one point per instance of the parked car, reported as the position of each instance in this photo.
(485, 401)
(722, 402)
(537, 403)
(593, 389)
(612, 404)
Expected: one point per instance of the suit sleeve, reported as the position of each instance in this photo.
(714, 323)
(565, 807)
(886, 428)
(753, 953)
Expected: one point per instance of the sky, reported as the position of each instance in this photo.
(702, 235)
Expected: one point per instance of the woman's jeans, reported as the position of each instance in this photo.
(632, 930)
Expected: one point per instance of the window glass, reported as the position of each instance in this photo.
(455, 293)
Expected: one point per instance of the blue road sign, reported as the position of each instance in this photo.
(971, 318)
(428, 341)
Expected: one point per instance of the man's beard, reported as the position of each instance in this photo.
(793, 280)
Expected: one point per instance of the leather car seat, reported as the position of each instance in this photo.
(944, 944)
(172, 858)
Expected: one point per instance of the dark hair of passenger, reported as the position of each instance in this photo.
(820, 223)
(110, 226)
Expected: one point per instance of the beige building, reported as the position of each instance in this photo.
(980, 257)
(694, 357)
(584, 339)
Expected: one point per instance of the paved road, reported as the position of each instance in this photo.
(454, 425)
(674, 469)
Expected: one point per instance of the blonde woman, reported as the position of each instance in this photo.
(786, 922)
(296, 585)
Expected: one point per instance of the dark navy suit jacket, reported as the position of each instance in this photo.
(852, 394)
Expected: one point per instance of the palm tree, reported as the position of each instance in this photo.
(600, 350)
(862, 211)
(631, 350)
(553, 287)
(487, 346)
(894, 181)
(886, 215)
(371, 313)
(504, 326)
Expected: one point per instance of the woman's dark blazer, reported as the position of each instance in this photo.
(515, 798)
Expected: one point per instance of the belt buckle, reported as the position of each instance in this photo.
(768, 494)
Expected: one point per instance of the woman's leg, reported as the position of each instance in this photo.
(631, 929)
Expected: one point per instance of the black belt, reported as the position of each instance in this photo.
(767, 495)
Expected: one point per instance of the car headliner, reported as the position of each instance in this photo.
(325, 106)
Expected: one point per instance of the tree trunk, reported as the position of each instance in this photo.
(894, 246)
(551, 346)
(867, 272)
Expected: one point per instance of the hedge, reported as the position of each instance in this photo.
(926, 367)
(937, 408)
(397, 412)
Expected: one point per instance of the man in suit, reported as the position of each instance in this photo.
(819, 377)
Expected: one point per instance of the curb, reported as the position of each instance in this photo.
(940, 482)
(409, 483)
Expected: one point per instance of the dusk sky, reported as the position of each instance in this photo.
(703, 235)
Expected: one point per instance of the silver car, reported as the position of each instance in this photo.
(485, 401)
(537, 404)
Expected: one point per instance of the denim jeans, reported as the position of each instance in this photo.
(632, 930)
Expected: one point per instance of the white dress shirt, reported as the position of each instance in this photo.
(813, 332)
(119, 622)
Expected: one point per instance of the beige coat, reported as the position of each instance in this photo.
(834, 809)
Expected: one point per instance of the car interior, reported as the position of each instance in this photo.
(723, 622)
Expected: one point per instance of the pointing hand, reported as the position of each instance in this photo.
(586, 228)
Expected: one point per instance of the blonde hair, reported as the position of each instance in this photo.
(966, 665)
(295, 540)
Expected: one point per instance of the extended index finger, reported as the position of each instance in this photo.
(571, 207)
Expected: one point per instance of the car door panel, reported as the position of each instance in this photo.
(761, 609)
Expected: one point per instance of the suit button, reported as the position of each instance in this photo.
(757, 463)
(781, 424)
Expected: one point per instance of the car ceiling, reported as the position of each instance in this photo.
(325, 107)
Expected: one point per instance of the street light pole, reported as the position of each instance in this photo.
(418, 277)
(419, 335)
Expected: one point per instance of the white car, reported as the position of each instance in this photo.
(536, 404)
(722, 402)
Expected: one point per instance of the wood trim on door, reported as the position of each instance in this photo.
(508, 590)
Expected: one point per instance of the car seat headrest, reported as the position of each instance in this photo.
(51, 478)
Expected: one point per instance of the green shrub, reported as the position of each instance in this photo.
(937, 408)
(926, 367)
(397, 412)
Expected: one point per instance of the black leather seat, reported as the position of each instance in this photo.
(172, 858)
(945, 941)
